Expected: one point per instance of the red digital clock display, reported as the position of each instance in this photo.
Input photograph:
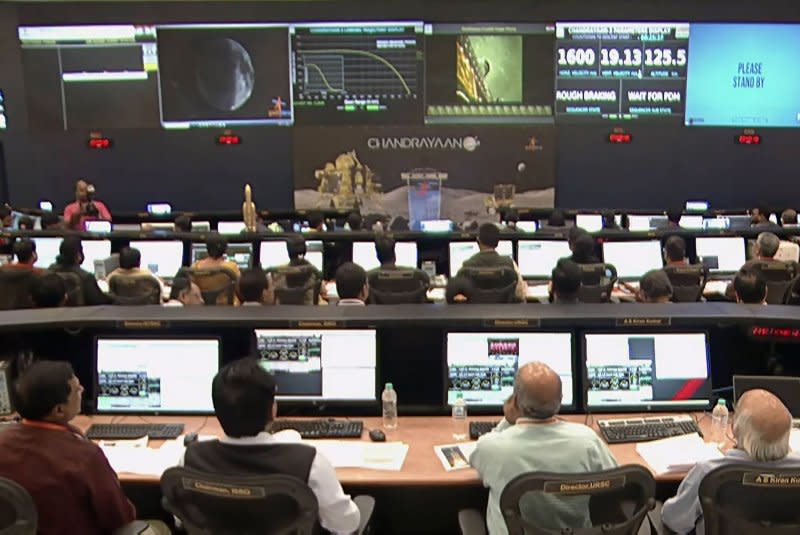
(787, 334)
(748, 139)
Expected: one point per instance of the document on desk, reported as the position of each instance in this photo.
(455, 456)
(359, 454)
(146, 461)
(677, 454)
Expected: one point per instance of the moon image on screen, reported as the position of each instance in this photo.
(225, 74)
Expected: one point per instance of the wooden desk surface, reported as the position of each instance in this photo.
(421, 466)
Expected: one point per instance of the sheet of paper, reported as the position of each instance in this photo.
(455, 456)
(359, 454)
(677, 454)
(144, 461)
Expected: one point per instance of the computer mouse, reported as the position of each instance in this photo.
(189, 438)
(376, 435)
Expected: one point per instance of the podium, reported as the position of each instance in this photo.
(424, 195)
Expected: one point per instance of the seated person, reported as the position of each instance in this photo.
(130, 265)
(532, 439)
(556, 219)
(217, 246)
(254, 288)
(48, 291)
(384, 250)
(654, 287)
(355, 221)
(675, 251)
(749, 287)
(674, 217)
(351, 285)
(759, 218)
(789, 218)
(184, 293)
(488, 257)
(25, 223)
(583, 249)
(244, 401)
(74, 487)
(761, 427)
(183, 223)
(609, 221)
(565, 282)
(69, 260)
(51, 221)
(25, 251)
(764, 250)
(296, 248)
(6, 218)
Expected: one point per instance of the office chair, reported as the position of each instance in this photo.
(18, 514)
(134, 289)
(750, 499)
(296, 285)
(491, 284)
(619, 500)
(74, 285)
(597, 281)
(779, 276)
(274, 504)
(396, 287)
(688, 282)
(216, 285)
(15, 288)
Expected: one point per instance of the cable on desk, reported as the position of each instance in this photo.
(197, 431)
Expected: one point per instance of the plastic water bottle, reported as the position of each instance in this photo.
(719, 423)
(389, 399)
(460, 429)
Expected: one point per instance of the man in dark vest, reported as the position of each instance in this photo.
(244, 401)
(488, 257)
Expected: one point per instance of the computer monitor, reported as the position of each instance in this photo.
(201, 226)
(315, 254)
(321, 365)
(527, 226)
(721, 254)
(405, 253)
(98, 226)
(589, 222)
(273, 254)
(239, 253)
(646, 371)
(537, 258)
(692, 222)
(482, 365)
(94, 250)
(639, 223)
(163, 258)
(461, 251)
(716, 223)
(633, 258)
(436, 225)
(231, 227)
(155, 375)
(47, 251)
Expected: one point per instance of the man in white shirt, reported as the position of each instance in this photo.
(761, 426)
(531, 438)
(351, 285)
(244, 402)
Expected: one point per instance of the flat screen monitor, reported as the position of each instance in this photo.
(461, 251)
(201, 226)
(482, 365)
(692, 222)
(436, 225)
(721, 254)
(98, 226)
(537, 258)
(589, 222)
(315, 254)
(273, 254)
(231, 227)
(365, 256)
(320, 364)
(239, 253)
(527, 226)
(633, 258)
(643, 223)
(47, 251)
(163, 258)
(716, 223)
(155, 375)
(94, 250)
(646, 371)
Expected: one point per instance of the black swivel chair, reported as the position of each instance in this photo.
(134, 290)
(74, 286)
(779, 276)
(219, 505)
(688, 282)
(18, 514)
(396, 287)
(296, 285)
(491, 284)
(216, 285)
(619, 500)
(15, 288)
(749, 499)
(597, 282)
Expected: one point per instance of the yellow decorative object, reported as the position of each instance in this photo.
(249, 213)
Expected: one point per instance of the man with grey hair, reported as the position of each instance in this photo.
(764, 250)
(761, 428)
(531, 438)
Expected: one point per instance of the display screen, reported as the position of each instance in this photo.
(364, 255)
(723, 254)
(744, 75)
(163, 258)
(3, 119)
(461, 251)
(47, 250)
(320, 365)
(643, 371)
(482, 366)
(273, 254)
(238, 253)
(537, 258)
(355, 73)
(633, 258)
(620, 71)
(224, 75)
(155, 375)
(488, 73)
(94, 250)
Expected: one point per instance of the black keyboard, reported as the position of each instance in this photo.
(134, 431)
(478, 429)
(646, 429)
(321, 428)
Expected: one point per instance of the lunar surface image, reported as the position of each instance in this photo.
(224, 73)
